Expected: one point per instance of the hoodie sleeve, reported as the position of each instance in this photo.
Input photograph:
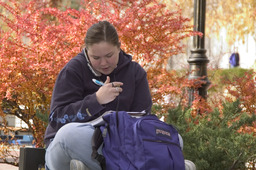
(68, 101)
(142, 97)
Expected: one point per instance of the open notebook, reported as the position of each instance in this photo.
(99, 121)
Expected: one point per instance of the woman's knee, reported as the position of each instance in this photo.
(74, 141)
(71, 133)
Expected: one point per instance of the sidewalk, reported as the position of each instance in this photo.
(4, 166)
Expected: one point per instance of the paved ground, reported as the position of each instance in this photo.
(4, 166)
(8, 167)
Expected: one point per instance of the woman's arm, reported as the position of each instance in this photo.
(68, 103)
(142, 97)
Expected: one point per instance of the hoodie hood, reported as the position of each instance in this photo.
(124, 59)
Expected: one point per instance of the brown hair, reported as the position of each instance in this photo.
(101, 31)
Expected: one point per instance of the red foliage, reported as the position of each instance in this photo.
(244, 89)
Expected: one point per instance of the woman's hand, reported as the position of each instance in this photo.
(109, 91)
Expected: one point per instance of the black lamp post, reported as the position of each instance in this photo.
(198, 59)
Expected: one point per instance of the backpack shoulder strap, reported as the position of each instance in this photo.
(97, 141)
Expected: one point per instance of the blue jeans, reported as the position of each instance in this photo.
(72, 141)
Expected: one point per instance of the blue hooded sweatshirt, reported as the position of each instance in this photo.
(74, 94)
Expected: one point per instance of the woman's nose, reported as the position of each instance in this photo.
(103, 61)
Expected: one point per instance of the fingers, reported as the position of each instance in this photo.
(107, 93)
(118, 90)
(113, 84)
(116, 84)
(116, 87)
(107, 80)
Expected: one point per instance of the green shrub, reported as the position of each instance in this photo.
(212, 141)
(219, 75)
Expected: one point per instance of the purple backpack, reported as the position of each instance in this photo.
(144, 143)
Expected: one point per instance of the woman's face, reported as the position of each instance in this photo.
(103, 57)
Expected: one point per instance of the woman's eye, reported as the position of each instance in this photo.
(108, 56)
(96, 58)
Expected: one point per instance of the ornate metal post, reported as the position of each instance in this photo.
(198, 59)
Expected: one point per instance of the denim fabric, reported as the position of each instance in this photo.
(72, 141)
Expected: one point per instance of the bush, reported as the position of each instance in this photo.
(218, 76)
(212, 141)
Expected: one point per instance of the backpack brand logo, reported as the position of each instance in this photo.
(162, 132)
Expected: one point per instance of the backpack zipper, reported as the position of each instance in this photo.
(161, 141)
